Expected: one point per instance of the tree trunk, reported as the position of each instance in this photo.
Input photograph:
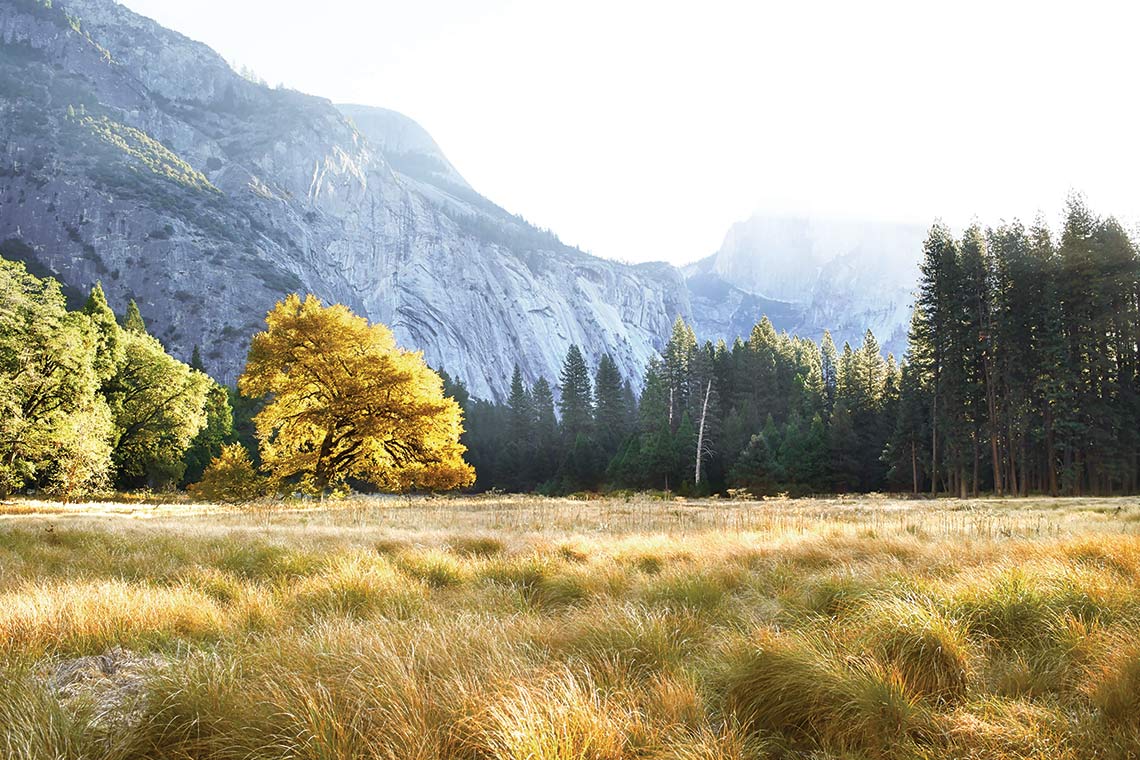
(1050, 452)
(913, 467)
(701, 433)
(934, 444)
(974, 479)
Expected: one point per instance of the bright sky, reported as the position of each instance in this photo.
(642, 130)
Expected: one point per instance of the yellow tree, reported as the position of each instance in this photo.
(345, 402)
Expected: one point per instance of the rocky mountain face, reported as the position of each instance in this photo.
(134, 156)
(842, 275)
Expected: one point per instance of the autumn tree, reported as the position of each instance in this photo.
(344, 401)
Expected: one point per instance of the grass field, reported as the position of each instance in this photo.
(526, 628)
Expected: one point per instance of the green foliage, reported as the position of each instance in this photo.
(132, 320)
(140, 147)
(576, 404)
(757, 469)
(1022, 364)
(53, 422)
(218, 430)
(109, 351)
(159, 405)
(1022, 374)
(611, 416)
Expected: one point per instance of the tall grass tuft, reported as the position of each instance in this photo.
(562, 717)
(799, 686)
(358, 586)
(930, 652)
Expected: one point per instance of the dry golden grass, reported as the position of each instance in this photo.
(524, 628)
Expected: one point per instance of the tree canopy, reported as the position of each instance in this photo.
(85, 403)
(344, 402)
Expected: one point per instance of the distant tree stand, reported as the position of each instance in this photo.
(345, 402)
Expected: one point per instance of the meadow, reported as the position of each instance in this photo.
(524, 628)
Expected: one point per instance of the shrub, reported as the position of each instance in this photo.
(563, 718)
(643, 640)
(358, 587)
(230, 478)
(476, 546)
(436, 569)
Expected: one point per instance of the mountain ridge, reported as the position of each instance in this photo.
(136, 156)
(133, 155)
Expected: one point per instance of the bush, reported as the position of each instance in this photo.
(230, 478)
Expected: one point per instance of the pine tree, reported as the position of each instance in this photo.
(610, 412)
(907, 451)
(980, 393)
(829, 360)
(870, 374)
(756, 468)
(109, 351)
(545, 431)
(705, 410)
(934, 342)
(196, 359)
(678, 358)
(576, 404)
(843, 445)
(518, 454)
(133, 321)
(848, 387)
(656, 448)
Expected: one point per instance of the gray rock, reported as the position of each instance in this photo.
(111, 685)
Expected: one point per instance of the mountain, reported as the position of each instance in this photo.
(811, 274)
(135, 156)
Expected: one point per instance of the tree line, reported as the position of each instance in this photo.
(88, 402)
(1024, 361)
(327, 402)
(773, 413)
(1022, 375)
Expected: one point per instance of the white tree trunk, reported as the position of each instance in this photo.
(701, 433)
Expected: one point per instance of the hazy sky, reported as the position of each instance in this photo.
(642, 130)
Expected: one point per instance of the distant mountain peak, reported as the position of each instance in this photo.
(406, 144)
(846, 275)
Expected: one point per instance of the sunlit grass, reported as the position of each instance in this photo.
(532, 628)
